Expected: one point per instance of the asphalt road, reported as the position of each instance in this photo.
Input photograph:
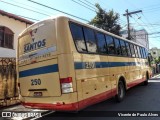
(138, 99)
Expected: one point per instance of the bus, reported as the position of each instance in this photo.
(66, 65)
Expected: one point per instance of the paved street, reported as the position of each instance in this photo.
(139, 98)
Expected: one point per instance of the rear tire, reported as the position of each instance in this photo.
(121, 92)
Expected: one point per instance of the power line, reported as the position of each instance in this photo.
(155, 37)
(157, 25)
(24, 8)
(27, 17)
(148, 22)
(30, 6)
(87, 4)
(83, 5)
(58, 10)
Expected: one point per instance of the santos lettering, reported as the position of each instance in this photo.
(35, 45)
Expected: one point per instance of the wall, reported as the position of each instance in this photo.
(17, 27)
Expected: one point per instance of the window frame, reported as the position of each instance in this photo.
(7, 37)
(129, 55)
(94, 37)
(119, 47)
(113, 40)
(96, 33)
(113, 44)
(125, 55)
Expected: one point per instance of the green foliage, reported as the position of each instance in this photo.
(157, 60)
(106, 20)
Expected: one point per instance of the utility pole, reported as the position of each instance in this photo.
(127, 15)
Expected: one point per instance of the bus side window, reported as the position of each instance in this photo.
(77, 34)
(117, 46)
(128, 49)
(146, 51)
(144, 54)
(102, 46)
(136, 52)
(141, 49)
(139, 54)
(123, 48)
(110, 44)
(90, 40)
(132, 50)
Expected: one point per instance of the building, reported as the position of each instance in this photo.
(155, 52)
(10, 27)
(138, 36)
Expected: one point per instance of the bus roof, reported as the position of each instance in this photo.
(81, 23)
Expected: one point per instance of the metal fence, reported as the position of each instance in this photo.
(8, 81)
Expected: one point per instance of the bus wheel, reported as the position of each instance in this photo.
(121, 92)
(146, 81)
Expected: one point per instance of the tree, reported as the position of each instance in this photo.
(106, 20)
(157, 60)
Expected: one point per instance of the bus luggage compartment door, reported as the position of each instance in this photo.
(40, 79)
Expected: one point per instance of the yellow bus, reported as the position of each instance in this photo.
(66, 65)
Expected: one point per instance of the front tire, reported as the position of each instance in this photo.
(121, 92)
(146, 81)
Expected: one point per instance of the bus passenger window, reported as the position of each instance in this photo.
(117, 46)
(110, 44)
(102, 46)
(132, 50)
(139, 54)
(141, 51)
(90, 40)
(128, 49)
(123, 48)
(145, 55)
(136, 51)
(78, 37)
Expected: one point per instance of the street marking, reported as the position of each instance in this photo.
(153, 80)
(49, 112)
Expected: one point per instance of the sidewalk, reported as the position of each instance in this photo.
(156, 75)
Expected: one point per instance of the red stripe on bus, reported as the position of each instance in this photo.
(134, 83)
(72, 106)
(81, 104)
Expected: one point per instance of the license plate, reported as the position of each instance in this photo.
(37, 94)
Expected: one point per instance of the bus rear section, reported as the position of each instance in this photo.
(46, 80)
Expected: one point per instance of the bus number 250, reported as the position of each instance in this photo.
(36, 82)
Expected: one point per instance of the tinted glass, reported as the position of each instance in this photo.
(123, 48)
(110, 44)
(102, 48)
(77, 34)
(136, 51)
(132, 50)
(144, 54)
(128, 49)
(139, 54)
(90, 40)
(146, 51)
(141, 51)
(117, 46)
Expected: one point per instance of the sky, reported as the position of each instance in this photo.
(149, 18)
